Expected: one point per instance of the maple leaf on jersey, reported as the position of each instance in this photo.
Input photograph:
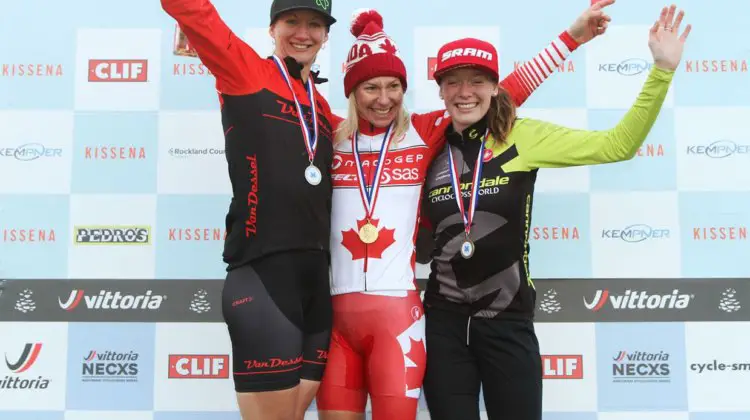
(388, 47)
(359, 249)
(417, 355)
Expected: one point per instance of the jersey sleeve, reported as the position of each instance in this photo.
(545, 145)
(237, 67)
(530, 75)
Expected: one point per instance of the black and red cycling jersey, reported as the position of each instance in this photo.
(273, 207)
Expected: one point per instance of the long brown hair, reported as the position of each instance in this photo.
(501, 115)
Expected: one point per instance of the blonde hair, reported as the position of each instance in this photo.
(501, 116)
(350, 125)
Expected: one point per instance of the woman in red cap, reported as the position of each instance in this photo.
(277, 126)
(480, 298)
(381, 158)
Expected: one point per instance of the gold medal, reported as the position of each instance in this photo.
(368, 233)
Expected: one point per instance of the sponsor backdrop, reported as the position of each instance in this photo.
(114, 192)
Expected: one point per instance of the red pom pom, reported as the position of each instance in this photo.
(364, 17)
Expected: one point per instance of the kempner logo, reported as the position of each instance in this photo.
(720, 149)
(110, 366)
(636, 233)
(198, 366)
(108, 300)
(118, 70)
(23, 364)
(639, 366)
(632, 299)
(112, 235)
(562, 366)
(627, 67)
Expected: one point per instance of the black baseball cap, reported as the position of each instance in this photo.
(321, 6)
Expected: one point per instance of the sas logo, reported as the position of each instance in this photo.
(112, 235)
(31, 151)
(638, 300)
(118, 71)
(108, 300)
(198, 366)
(627, 67)
(636, 233)
(719, 149)
(562, 366)
(20, 367)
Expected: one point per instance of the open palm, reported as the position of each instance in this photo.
(664, 40)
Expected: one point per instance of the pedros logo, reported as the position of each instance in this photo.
(112, 235)
(719, 149)
(118, 71)
(636, 233)
(638, 300)
(22, 365)
(198, 366)
(627, 67)
(108, 300)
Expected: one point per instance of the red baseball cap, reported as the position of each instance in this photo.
(467, 52)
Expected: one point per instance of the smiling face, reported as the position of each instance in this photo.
(379, 100)
(299, 34)
(467, 93)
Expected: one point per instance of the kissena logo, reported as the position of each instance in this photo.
(112, 235)
(562, 366)
(118, 71)
(31, 151)
(107, 300)
(627, 67)
(638, 300)
(636, 233)
(22, 365)
(719, 149)
(198, 366)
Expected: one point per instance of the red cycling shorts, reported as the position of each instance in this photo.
(377, 348)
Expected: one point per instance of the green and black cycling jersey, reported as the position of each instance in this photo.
(496, 281)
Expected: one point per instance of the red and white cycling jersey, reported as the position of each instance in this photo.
(387, 264)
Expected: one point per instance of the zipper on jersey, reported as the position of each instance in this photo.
(365, 268)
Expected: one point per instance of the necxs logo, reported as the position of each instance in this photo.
(118, 71)
(637, 300)
(108, 300)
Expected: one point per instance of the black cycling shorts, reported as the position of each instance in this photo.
(502, 356)
(278, 312)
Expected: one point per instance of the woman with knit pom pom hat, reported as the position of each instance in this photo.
(278, 132)
(382, 154)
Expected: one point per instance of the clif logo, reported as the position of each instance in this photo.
(562, 366)
(638, 300)
(198, 366)
(118, 71)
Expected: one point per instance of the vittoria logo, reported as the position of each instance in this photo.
(110, 366)
(21, 366)
(638, 300)
(639, 366)
(108, 300)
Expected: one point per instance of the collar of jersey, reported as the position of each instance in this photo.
(295, 70)
(472, 132)
(368, 129)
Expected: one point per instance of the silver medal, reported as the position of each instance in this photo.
(312, 175)
(467, 248)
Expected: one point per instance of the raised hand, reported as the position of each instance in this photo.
(663, 40)
(592, 23)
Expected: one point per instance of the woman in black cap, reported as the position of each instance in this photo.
(277, 127)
